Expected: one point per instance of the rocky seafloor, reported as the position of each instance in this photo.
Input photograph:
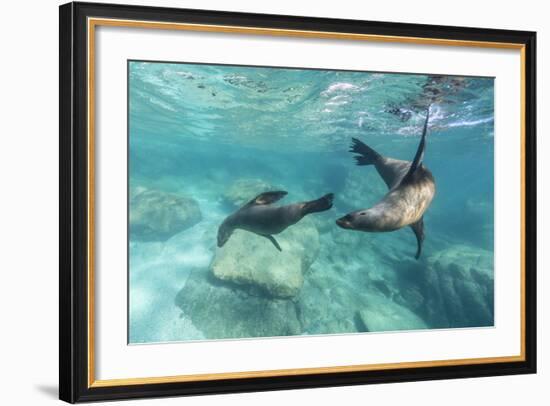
(325, 281)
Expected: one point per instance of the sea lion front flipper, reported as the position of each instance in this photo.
(418, 229)
(273, 240)
(365, 154)
(391, 170)
(267, 198)
(419, 156)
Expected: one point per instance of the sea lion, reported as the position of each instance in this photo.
(261, 217)
(411, 190)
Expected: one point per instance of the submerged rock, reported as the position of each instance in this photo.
(157, 216)
(382, 314)
(334, 310)
(136, 190)
(253, 261)
(327, 304)
(244, 190)
(220, 310)
(460, 280)
(353, 295)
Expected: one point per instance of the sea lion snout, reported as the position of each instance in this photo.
(345, 222)
(360, 220)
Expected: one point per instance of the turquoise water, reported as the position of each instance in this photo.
(205, 139)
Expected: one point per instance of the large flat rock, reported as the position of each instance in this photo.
(220, 310)
(157, 215)
(250, 260)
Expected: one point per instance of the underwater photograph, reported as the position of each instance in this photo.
(274, 202)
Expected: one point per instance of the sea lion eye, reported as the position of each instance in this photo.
(362, 213)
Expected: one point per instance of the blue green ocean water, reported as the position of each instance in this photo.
(205, 139)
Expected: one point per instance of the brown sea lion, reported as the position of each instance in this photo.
(411, 190)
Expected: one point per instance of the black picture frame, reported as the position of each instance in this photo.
(74, 385)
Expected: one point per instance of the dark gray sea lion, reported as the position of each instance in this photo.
(411, 190)
(261, 217)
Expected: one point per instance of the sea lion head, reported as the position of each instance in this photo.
(361, 220)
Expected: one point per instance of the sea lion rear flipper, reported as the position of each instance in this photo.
(419, 156)
(418, 229)
(267, 197)
(321, 204)
(273, 240)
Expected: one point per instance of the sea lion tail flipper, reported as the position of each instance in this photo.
(321, 204)
(366, 155)
(267, 197)
(273, 240)
(418, 229)
(419, 156)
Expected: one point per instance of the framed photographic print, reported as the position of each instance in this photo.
(257, 202)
